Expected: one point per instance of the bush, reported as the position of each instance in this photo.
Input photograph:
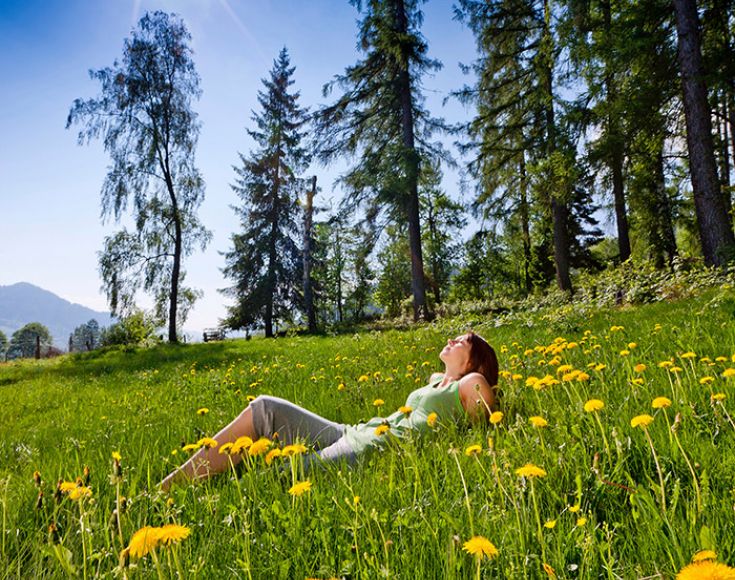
(138, 329)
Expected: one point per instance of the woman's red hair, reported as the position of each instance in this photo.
(483, 359)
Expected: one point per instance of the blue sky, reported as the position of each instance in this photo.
(50, 230)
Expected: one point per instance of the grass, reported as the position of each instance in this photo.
(600, 510)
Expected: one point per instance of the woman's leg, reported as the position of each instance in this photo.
(266, 416)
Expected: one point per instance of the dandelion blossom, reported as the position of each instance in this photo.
(272, 454)
(530, 470)
(431, 420)
(300, 488)
(640, 367)
(172, 534)
(641, 421)
(190, 447)
(226, 448)
(143, 541)
(473, 450)
(259, 447)
(706, 570)
(496, 417)
(295, 449)
(551, 524)
(406, 410)
(729, 373)
(207, 442)
(382, 429)
(241, 444)
(480, 547)
(116, 456)
(704, 555)
(202, 411)
(378, 403)
(79, 492)
(719, 397)
(661, 403)
(593, 405)
(537, 421)
(581, 521)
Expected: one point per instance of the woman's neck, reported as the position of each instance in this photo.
(450, 375)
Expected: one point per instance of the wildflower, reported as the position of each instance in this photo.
(719, 397)
(665, 363)
(79, 492)
(531, 381)
(190, 447)
(689, 354)
(616, 328)
(496, 417)
(551, 524)
(226, 448)
(624, 352)
(272, 454)
(363, 379)
(641, 421)
(729, 373)
(480, 547)
(704, 555)
(593, 405)
(530, 470)
(431, 419)
(721, 359)
(143, 541)
(537, 421)
(300, 488)
(706, 570)
(600, 367)
(632, 345)
(172, 534)
(574, 508)
(66, 486)
(241, 444)
(706, 380)
(638, 381)
(473, 450)
(677, 370)
(581, 377)
(259, 447)
(581, 521)
(295, 449)
(564, 369)
(549, 570)
(207, 442)
(516, 377)
(640, 367)
(202, 411)
(661, 403)
(116, 456)
(378, 403)
(382, 429)
(341, 387)
(406, 410)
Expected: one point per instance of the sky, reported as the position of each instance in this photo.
(50, 227)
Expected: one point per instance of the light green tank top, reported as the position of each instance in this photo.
(444, 401)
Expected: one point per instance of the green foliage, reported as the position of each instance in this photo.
(86, 336)
(265, 262)
(3, 344)
(24, 341)
(145, 119)
(136, 329)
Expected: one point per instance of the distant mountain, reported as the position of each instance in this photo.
(23, 303)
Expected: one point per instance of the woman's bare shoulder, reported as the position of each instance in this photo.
(472, 379)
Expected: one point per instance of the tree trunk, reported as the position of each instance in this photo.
(420, 308)
(665, 213)
(175, 273)
(715, 229)
(272, 254)
(308, 294)
(525, 225)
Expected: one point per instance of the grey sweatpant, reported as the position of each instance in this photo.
(273, 415)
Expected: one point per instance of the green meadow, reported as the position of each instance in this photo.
(609, 500)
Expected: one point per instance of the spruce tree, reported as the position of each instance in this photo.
(265, 262)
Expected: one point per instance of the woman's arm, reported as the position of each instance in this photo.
(477, 396)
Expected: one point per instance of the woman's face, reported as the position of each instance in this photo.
(457, 352)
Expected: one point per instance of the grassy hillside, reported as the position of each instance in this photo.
(600, 510)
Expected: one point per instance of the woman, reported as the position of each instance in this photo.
(465, 388)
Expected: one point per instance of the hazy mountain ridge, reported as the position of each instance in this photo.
(22, 303)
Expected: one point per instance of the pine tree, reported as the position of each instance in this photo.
(265, 261)
(380, 118)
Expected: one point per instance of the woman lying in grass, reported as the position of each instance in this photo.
(465, 388)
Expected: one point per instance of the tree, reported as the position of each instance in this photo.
(145, 119)
(715, 229)
(3, 344)
(25, 342)
(86, 336)
(381, 120)
(265, 261)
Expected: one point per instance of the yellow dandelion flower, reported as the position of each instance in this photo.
(202, 411)
(661, 403)
(531, 381)
(706, 380)
(382, 429)
(704, 555)
(564, 369)
(575, 508)
(719, 397)
(582, 377)
(143, 541)
(638, 381)
(624, 352)
(172, 534)
(341, 387)
(572, 345)
(706, 570)
(116, 456)
(551, 524)
(537, 421)
(190, 447)
(641, 421)
(363, 379)
(241, 444)
(405, 409)
(473, 450)
(79, 492)
(728, 373)
(480, 547)
(721, 359)
(431, 419)
(300, 488)
(665, 363)
(496, 417)
(549, 570)
(272, 454)
(378, 403)
(516, 377)
(295, 449)
(616, 328)
(675, 369)
(640, 367)
(581, 521)
(259, 447)
(600, 367)
(689, 354)
(594, 405)
(207, 442)
(632, 345)
(530, 470)
(226, 448)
